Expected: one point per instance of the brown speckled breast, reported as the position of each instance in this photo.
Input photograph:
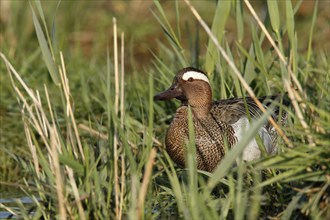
(209, 138)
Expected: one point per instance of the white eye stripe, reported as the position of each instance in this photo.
(195, 75)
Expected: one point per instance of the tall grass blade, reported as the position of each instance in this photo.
(218, 26)
(191, 165)
(289, 20)
(241, 196)
(116, 109)
(145, 183)
(236, 82)
(76, 166)
(249, 71)
(175, 184)
(281, 176)
(292, 206)
(239, 21)
(274, 15)
(151, 113)
(311, 33)
(292, 36)
(257, 43)
(177, 13)
(61, 203)
(50, 63)
(167, 26)
(256, 197)
(42, 16)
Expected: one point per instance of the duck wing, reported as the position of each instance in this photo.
(231, 110)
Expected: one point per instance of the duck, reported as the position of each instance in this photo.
(217, 124)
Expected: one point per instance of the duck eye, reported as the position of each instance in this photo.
(190, 79)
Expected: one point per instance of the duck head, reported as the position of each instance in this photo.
(191, 86)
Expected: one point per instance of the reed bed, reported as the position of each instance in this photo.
(109, 162)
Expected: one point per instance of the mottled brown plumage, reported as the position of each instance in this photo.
(214, 122)
(209, 137)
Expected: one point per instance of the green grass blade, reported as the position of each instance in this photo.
(71, 162)
(237, 85)
(239, 21)
(177, 13)
(292, 206)
(45, 50)
(281, 176)
(151, 112)
(218, 26)
(240, 199)
(257, 48)
(289, 20)
(274, 15)
(175, 183)
(191, 165)
(311, 33)
(167, 26)
(249, 72)
(42, 16)
(256, 197)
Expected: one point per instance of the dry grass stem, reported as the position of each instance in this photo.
(34, 122)
(123, 183)
(52, 117)
(12, 70)
(58, 175)
(67, 94)
(37, 104)
(42, 118)
(31, 146)
(122, 83)
(75, 192)
(157, 142)
(11, 211)
(115, 140)
(145, 182)
(96, 134)
(103, 136)
(49, 105)
(122, 115)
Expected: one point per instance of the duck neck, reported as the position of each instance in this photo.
(201, 111)
(201, 107)
(201, 101)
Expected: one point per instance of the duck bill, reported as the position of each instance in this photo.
(171, 93)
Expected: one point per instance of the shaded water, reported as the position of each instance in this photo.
(10, 200)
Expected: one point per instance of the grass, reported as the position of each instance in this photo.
(86, 141)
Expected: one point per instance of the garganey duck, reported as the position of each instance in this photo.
(213, 121)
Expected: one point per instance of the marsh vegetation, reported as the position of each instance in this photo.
(83, 139)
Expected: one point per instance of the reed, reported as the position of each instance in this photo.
(93, 139)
